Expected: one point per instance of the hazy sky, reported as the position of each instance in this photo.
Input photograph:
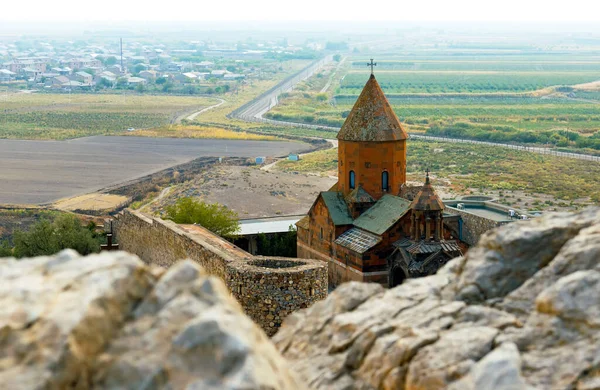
(348, 10)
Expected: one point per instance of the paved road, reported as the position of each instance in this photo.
(254, 110)
(37, 172)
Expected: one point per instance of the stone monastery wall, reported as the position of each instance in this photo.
(474, 226)
(268, 288)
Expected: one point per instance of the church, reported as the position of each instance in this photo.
(370, 226)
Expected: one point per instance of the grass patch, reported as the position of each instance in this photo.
(61, 116)
(322, 161)
(484, 168)
(201, 131)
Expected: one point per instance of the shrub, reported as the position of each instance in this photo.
(48, 238)
(215, 217)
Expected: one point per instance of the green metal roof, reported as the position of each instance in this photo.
(340, 215)
(383, 214)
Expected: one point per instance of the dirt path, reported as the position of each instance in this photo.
(160, 196)
(326, 87)
(194, 115)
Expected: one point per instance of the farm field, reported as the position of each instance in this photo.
(543, 99)
(53, 116)
(522, 180)
(63, 116)
(40, 172)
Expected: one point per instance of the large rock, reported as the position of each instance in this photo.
(519, 311)
(108, 321)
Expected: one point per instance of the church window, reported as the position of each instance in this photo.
(385, 181)
(352, 180)
(321, 234)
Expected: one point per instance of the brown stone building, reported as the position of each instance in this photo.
(368, 226)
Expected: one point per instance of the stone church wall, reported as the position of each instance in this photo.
(269, 289)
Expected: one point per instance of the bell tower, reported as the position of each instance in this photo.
(372, 145)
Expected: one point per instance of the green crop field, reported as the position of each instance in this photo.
(525, 98)
(495, 63)
(62, 116)
(452, 81)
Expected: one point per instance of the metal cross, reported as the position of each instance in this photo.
(109, 246)
(371, 64)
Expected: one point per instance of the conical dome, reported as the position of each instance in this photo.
(427, 199)
(372, 118)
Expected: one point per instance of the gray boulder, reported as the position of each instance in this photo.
(520, 311)
(109, 322)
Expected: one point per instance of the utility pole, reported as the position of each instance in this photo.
(122, 69)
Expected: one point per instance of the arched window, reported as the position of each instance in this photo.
(321, 234)
(352, 180)
(385, 181)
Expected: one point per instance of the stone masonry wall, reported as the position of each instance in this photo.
(269, 289)
(474, 226)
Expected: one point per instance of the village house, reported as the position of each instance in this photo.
(148, 75)
(57, 82)
(205, 64)
(83, 77)
(106, 75)
(115, 69)
(7, 76)
(136, 81)
(370, 226)
(219, 73)
(185, 78)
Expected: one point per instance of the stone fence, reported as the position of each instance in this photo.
(268, 288)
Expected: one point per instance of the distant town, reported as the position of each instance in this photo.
(194, 67)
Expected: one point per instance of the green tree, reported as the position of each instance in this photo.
(141, 88)
(278, 245)
(5, 249)
(108, 61)
(214, 217)
(103, 83)
(121, 82)
(321, 97)
(337, 57)
(47, 238)
(138, 68)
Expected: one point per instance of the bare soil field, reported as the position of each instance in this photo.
(41, 172)
(250, 191)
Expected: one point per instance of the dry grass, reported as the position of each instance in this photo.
(91, 202)
(200, 131)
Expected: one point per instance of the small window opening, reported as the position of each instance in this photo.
(385, 181)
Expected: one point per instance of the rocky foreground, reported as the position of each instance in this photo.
(520, 311)
(109, 322)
